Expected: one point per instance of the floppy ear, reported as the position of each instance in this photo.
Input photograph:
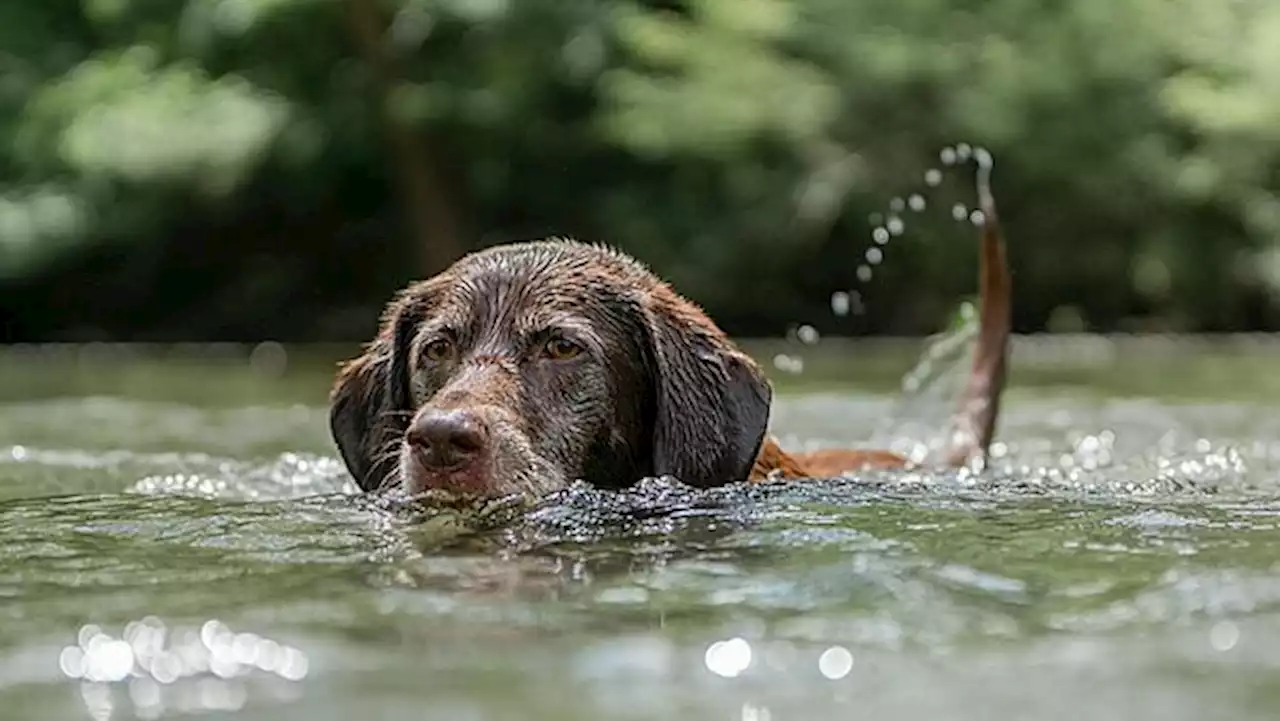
(370, 403)
(712, 399)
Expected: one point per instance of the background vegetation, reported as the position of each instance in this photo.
(247, 169)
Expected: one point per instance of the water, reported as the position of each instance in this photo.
(181, 534)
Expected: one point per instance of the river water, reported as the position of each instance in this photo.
(177, 538)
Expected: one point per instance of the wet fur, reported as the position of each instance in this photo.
(659, 390)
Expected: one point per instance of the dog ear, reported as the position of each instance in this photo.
(712, 399)
(370, 403)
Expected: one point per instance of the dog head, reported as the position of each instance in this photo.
(527, 366)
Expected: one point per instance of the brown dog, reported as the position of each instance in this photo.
(527, 366)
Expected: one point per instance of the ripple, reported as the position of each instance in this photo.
(1111, 547)
(289, 475)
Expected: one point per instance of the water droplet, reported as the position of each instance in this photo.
(836, 662)
(880, 235)
(293, 664)
(983, 157)
(728, 658)
(840, 303)
(167, 667)
(87, 633)
(933, 177)
(874, 256)
(864, 273)
(948, 155)
(212, 632)
(1223, 636)
(978, 218)
(963, 151)
(896, 226)
(959, 212)
(897, 205)
(788, 363)
(71, 661)
(807, 334)
(916, 202)
(244, 649)
(110, 662)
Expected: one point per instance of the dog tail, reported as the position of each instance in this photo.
(974, 422)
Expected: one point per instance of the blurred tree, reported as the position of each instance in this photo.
(249, 168)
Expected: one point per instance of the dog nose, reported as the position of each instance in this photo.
(445, 439)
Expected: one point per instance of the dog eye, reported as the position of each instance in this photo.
(438, 350)
(561, 349)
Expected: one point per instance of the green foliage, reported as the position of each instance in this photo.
(715, 81)
(737, 145)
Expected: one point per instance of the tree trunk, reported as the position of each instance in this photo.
(434, 223)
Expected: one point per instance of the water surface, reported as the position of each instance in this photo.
(177, 538)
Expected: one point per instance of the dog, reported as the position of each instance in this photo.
(527, 366)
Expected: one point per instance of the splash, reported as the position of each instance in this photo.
(939, 375)
(892, 224)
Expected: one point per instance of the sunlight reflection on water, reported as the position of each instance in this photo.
(185, 670)
(1117, 560)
